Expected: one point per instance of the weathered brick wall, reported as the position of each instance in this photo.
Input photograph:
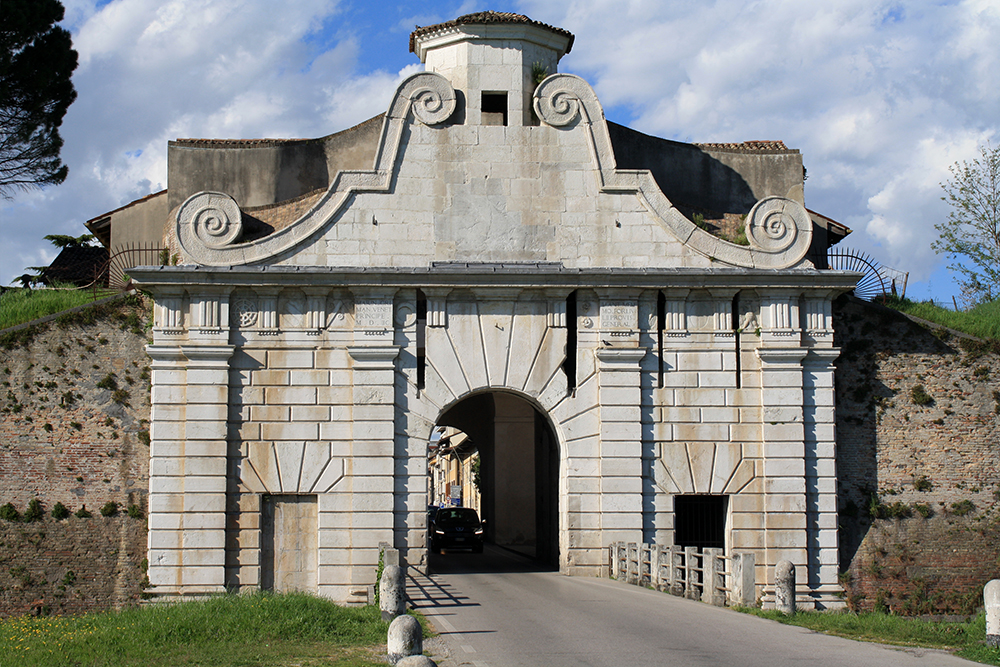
(919, 484)
(64, 438)
(71, 566)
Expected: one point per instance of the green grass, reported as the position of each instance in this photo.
(24, 305)
(230, 630)
(983, 321)
(965, 639)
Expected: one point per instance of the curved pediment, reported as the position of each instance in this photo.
(450, 191)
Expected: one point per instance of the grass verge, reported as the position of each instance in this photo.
(18, 306)
(965, 639)
(226, 631)
(983, 321)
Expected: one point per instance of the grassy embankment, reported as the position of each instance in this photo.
(18, 306)
(983, 321)
(963, 638)
(227, 631)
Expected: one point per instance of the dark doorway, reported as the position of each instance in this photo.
(700, 521)
(518, 472)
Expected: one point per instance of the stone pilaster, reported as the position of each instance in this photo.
(187, 481)
(619, 360)
(821, 476)
(783, 451)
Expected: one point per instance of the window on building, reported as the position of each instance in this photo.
(700, 521)
(494, 108)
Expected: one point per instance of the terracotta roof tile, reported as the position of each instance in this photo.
(750, 147)
(479, 18)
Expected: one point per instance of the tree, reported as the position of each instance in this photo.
(971, 234)
(67, 241)
(36, 62)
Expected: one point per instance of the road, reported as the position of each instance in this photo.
(497, 610)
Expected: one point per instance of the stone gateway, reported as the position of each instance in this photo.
(490, 254)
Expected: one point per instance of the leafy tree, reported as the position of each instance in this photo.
(36, 62)
(971, 234)
(67, 241)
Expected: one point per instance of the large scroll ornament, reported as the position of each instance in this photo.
(559, 99)
(775, 225)
(213, 217)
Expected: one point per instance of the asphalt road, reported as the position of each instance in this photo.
(497, 610)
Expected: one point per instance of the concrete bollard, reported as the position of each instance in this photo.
(406, 638)
(784, 587)
(991, 599)
(416, 661)
(392, 595)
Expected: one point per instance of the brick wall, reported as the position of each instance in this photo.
(74, 409)
(71, 566)
(919, 479)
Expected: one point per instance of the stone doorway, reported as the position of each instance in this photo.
(519, 471)
(289, 543)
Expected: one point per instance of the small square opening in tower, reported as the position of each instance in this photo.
(700, 521)
(494, 108)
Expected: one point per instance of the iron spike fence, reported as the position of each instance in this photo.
(706, 575)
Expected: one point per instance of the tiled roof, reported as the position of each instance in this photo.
(128, 205)
(750, 147)
(479, 18)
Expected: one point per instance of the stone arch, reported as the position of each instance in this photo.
(490, 414)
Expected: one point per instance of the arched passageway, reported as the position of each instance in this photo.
(519, 472)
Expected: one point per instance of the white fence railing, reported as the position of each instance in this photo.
(685, 571)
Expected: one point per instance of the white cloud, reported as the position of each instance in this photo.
(880, 96)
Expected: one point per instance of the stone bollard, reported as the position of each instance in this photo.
(406, 638)
(416, 661)
(392, 596)
(991, 599)
(784, 587)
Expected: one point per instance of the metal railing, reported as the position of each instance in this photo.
(706, 575)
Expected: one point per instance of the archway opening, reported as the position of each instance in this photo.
(518, 473)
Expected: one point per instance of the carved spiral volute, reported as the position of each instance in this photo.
(432, 97)
(776, 225)
(213, 217)
(559, 99)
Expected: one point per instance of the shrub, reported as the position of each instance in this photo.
(923, 484)
(920, 395)
(108, 382)
(143, 437)
(924, 510)
(34, 511)
(110, 508)
(59, 511)
(962, 507)
(898, 510)
(83, 513)
(9, 513)
(120, 396)
(135, 512)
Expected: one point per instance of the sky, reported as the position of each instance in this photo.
(880, 97)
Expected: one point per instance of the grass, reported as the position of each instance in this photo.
(228, 631)
(18, 306)
(983, 321)
(963, 638)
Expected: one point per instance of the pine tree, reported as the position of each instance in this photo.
(36, 62)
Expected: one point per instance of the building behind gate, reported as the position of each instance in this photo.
(491, 255)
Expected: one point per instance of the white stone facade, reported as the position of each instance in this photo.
(297, 378)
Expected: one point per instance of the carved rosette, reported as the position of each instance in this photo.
(559, 99)
(213, 218)
(779, 226)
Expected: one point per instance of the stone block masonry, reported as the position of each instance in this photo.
(71, 566)
(74, 410)
(919, 492)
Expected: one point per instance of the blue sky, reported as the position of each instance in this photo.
(880, 97)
